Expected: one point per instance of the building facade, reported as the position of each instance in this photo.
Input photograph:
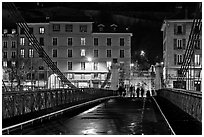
(83, 55)
(9, 55)
(175, 39)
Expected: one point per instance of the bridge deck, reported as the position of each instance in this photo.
(121, 116)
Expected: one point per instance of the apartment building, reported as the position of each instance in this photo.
(82, 54)
(9, 52)
(175, 37)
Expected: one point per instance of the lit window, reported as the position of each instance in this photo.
(83, 28)
(54, 53)
(13, 63)
(95, 65)
(69, 41)
(13, 31)
(82, 65)
(4, 63)
(56, 27)
(70, 76)
(41, 30)
(82, 76)
(197, 59)
(54, 41)
(22, 53)
(68, 28)
(108, 63)
(13, 44)
(69, 65)
(13, 54)
(83, 41)
(22, 41)
(5, 31)
(5, 43)
(30, 41)
(30, 53)
(122, 41)
(83, 52)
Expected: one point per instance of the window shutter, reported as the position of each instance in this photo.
(175, 59)
(184, 29)
(175, 43)
(184, 43)
(175, 29)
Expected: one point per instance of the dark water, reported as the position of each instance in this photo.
(122, 116)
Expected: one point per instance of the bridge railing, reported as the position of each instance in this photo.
(188, 101)
(20, 103)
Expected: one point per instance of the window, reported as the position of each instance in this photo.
(109, 53)
(54, 41)
(5, 31)
(13, 31)
(68, 28)
(5, 64)
(22, 31)
(69, 53)
(178, 59)
(30, 41)
(56, 27)
(41, 68)
(13, 44)
(13, 63)
(83, 41)
(41, 76)
(83, 28)
(82, 65)
(41, 40)
(5, 43)
(4, 54)
(95, 41)
(122, 53)
(197, 44)
(95, 65)
(197, 60)
(83, 52)
(108, 41)
(31, 30)
(69, 41)
(41, 30)
(82, 76)
(108, 63)
(30, 53)
(95, 53)
(70, 76)
(122, 41)
(179, 43)
(22, 53)
(69, 65)
(95, 75)
(54, 53)
(13, 54)
(179, 29)
(22, 41)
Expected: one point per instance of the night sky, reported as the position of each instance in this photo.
(144, 20)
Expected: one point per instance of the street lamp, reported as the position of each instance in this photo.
(89, 59)
(142, 53)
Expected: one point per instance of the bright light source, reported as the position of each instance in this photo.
(142, 53)
(131, 64)
(89, 59)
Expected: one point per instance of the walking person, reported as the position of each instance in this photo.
(131, 91)
(142, 91)
(120, 90)
(138, 92)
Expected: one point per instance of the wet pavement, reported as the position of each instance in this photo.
(121, 116)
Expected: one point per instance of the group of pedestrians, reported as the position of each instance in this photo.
(139, 90)
(133, 92)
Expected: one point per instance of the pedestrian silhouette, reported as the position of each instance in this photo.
(142, 91)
